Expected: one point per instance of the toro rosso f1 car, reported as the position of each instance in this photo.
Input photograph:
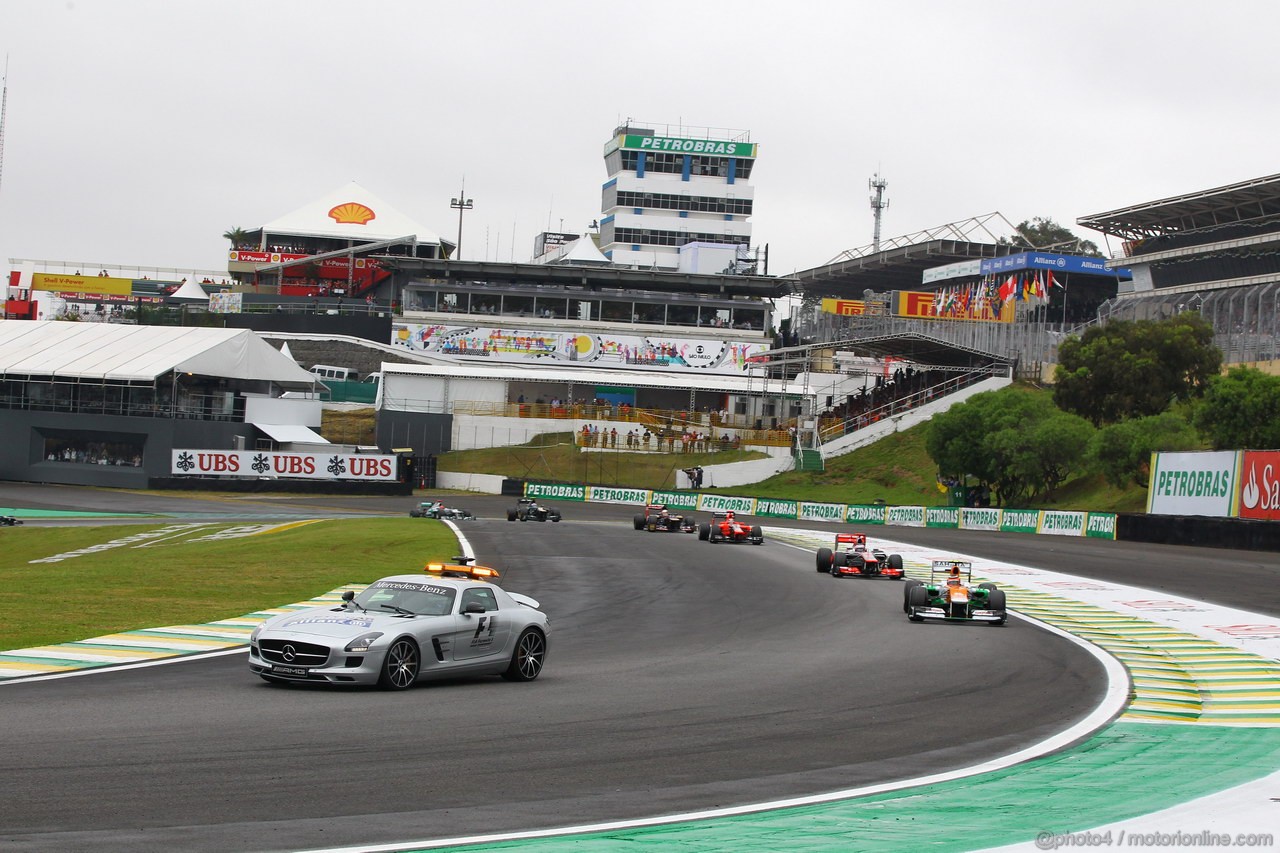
(665, 522)
(951, 596)
(451, 621)
(724, 527)
(856, 559)
(528, 509)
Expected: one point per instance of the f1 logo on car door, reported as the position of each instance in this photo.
(481, 634)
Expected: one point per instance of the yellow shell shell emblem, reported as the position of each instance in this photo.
(351, 213)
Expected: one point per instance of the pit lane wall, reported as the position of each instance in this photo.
(1100, 525)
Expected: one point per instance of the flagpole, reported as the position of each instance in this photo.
(1065, 278)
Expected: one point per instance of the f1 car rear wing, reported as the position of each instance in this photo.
(944, 567)
(851, 539)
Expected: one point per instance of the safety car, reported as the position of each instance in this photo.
(451, 621)
(950, 595)
(528, 509)
(852, 558)
(725, 527)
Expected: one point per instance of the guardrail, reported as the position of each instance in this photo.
(1099, 525)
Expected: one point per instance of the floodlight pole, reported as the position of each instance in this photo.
(461, 204)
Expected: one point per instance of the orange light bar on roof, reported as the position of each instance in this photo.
(466, 571)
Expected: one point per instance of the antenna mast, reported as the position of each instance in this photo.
(4, 106)
(878, 204)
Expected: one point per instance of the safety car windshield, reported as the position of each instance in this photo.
(423, 599)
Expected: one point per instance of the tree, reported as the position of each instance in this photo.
(1241, 410)
(1127, 369)
(1122, 451)
(238, 236)
(1011, 440)
(1042, 232)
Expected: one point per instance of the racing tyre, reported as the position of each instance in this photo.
(400, 666)
(757, 535)
(555, 519)
(987, 586)
(910, 584)
(415, 513)
(529, 656)
(704, 532)
(638, 521)
(824, 560)
(995, 601)
(917, 596)
(895, 561)
(511, 515)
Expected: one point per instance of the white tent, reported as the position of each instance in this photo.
(582, 252)
(350, 213)
(106, 351)
(284, 351)
(190, 291)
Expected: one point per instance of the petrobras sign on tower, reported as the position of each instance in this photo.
(674, 145)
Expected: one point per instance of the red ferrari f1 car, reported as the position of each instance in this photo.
(724, 527)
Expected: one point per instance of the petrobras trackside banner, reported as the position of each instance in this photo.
(774, 508)
(1101, 525)
(979, 518)
(1062, 523)
(822, 512)
(942, 516)
(724, 503)
(563, 348)
(305, 466)
(615, 495)
(556, 491)
(674, 500)
(1260, 485)
(864, 514)
(905, 516)
(1194, 483)
(1020, 521)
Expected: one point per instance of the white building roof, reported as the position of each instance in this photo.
(106, 351)
(352, 213)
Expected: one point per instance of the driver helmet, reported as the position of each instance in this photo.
(664, 514)
(953, 578)
(729, 515)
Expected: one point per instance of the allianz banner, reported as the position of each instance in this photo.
(675, 500)
(615, 495)
(303, 466)
(1194, 484)
(555, 490)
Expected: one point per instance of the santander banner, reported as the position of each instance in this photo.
(307, 466)
(1260, 484)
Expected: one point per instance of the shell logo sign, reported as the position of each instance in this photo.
(351, 213)
(1260, 485)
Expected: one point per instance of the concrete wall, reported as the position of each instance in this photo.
(489, 484)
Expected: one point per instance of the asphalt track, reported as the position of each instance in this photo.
(682, 675)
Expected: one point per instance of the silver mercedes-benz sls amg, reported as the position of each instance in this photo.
(450, 622)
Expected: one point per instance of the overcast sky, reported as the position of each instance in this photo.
(138, 132)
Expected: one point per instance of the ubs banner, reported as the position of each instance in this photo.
(307, 466)
(1195, 483)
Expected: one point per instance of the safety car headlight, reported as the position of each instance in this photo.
(363, 642)
(253, 635)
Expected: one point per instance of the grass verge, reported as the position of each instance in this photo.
(178, 580)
